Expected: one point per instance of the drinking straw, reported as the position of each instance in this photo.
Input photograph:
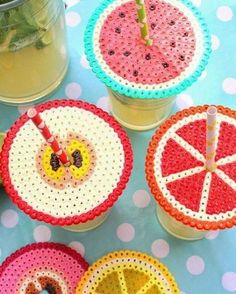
(211, 138)
(142, 18)
(44, 130)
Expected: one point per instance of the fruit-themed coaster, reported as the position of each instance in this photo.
(176, 169)
(101, 161)
(50, 267)
(127, 272)
(179, 52)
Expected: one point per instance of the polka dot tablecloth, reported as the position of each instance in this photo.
(206, 266)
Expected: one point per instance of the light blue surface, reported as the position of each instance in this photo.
(219, 254)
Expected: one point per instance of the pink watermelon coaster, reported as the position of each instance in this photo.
(43, 188)
(118, 56)
(52, 267)
(176, 173)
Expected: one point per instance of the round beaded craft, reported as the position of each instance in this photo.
(176, 172)
(118, 56)
(50, 267)
(127, 272)
(98, 148)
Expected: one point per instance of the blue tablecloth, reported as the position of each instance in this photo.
(206, 266)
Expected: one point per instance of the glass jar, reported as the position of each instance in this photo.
(33, 50)
(139, 114)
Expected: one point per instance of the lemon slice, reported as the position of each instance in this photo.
(2, 135)
(127, 272)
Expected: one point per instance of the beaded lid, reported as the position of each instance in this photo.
(127, 272)
(52, 267)
(98, 147)
(116, 53)
(176, 173)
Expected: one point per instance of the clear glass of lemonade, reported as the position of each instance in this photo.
(33, 50)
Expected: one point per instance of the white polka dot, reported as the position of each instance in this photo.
(73, 91)
(42, 234)
(9, 218)
(212, 235)
(229, 86)
(141, 198)
(23, 109)
(184, 101)
(71, 3)
(125, 232)
(229, 281)
(103, 103)
(160, 248)
(195, 265)
(72, 18)
(197, 2)
(215, 42)
(79, 247)
(224, 13)
(84, 62)
(181, 292)
(203, 75)
(0, 252)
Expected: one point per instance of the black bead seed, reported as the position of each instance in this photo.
(118, 30)
(50, 289)
(137, 20)
(111, 52)
(121, 14)
(153, 25)
(185, 34)
(171, 23)
(148, 56)
(78, 159)
(54, 162)
(165, 64)
(181, 57)
(172, 44)
(127, 53)
(152, 7)
(135, 73)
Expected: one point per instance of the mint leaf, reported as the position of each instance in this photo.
(3, 28)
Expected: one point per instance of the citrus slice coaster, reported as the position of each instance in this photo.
(2, 135)
(50, 267)
(179, 180)
(127, 272)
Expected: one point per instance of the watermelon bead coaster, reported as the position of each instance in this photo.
(192, 200)
(50, 267)
(127, 272)
(145, 79)
(77, 197)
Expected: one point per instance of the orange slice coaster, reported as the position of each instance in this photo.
(127, 272)
(176, 173)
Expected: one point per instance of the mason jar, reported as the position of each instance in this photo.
(33, 49)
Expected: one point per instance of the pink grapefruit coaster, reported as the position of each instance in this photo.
(118, 56)
(101, 157)
(52, 267)
(127, 272)
(177, 176)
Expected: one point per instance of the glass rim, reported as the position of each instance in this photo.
(10, 5)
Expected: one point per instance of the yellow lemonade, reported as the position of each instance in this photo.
(37, 63)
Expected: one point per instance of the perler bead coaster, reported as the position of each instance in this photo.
(127, 272)
(176, 172)
(50, 267)
(116, 53)
(46, 190)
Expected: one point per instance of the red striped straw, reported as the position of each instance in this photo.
(44, 130)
